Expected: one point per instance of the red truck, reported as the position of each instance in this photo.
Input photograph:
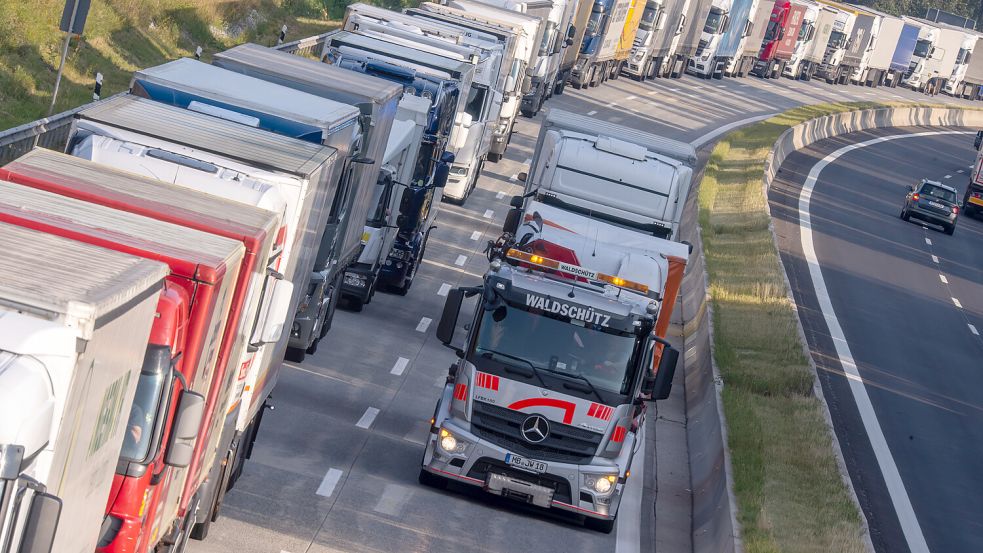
(142, 481)
(195, 322)
(780, 38)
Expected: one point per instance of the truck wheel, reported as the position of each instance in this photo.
(599, 525)
(558, 89)
(494, 158)
(294, 355)
(433, 481)
(312, 349)
(355, 304)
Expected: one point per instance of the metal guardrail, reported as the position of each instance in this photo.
(52, 132)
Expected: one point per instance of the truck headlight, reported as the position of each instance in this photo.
(602, 484)
(450, 444)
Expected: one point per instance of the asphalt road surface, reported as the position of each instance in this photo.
(908, 301)
(335, 465)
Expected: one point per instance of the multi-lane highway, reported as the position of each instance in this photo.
(335, 465)
(893, 312)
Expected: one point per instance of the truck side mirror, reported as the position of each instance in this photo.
(659, 385)
(187, 422)
(443, 170)
(511, 224)
(571, 32)
(41, 524)
(979, 140)
(448, 319)
(278, 314)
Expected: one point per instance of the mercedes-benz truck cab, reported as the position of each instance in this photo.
(640, 61)
(705, 62)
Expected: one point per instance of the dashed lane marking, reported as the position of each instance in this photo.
(928, 241)
(955, 301)
(424, 324)
(488, 214)
(367, 418)
(630, 98)
(591, 112)
(329, 482)
(960, 171)
(973, 329)
(935, 259)
(475, 235)
(947, 177)
(461, 260)
(499, 195)
(400, 366)
(943, 279)
(444, 288)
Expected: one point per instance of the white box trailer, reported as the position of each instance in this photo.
(645, 177)
(973, 77)
(807, 58)
(954, 85)
(74, 324)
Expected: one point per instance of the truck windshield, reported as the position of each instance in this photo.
(524, 339)
(837, 39)
(140, 426)
(962, 57)
(649, 16)
(772, 31)
(476, 101)
(714, 22)
(804, 32)
(922, 47)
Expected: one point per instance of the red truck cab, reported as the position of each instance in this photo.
(780, 38)
(204, 271)
(259, 232)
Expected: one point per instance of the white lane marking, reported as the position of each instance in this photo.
(499, 195)
(928, 241)
(721, 130)
(960, 171)
(955, 301)
(444, 288)
(943, 279)
(393, 499)
(889, 469)
(673, 89)
(973, 329)
(527, 161)
(514, 177)
(697, 87)
(424, 324)
(613, 105)
(630, 98)
(935, 259)
(947, 177)
(329, 482)
(475, 235)
(461, 260)
(591, 112)
(400, 366)
(367, 418)
(308, 371)
(630, 513)
(488, 214)
(721, 86)
(969, 166)
(653, 91)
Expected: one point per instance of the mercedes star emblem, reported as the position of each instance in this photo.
(535, 428)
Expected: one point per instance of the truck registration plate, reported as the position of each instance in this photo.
(522, 463)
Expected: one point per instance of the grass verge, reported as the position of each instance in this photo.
(790, 495)
(124, 35)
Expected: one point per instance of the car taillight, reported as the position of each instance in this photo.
(915, 197)
(955, 210)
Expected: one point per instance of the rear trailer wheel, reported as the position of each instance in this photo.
(433, 481)
(599, 525)
(294, 355)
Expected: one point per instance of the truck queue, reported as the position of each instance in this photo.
(197, 230)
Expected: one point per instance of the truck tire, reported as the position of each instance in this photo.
(294, 355)
(433, 481)
(560, 85)
(355, 304)
(599, 525)
(312, 349)
(494, 158)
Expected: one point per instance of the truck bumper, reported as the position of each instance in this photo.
(358, 281)
(308, 315)
(458, 181)
(397, 266)
(485, 465)
(532, 99)
(701, 67)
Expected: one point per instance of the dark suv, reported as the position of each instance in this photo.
(932, 202)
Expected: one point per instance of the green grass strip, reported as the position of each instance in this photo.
(790, 495)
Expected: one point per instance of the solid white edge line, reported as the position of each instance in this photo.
(729, 126)
(329, 482)
(400, 366)
(882, 452)
(629, 522)
(368, 417)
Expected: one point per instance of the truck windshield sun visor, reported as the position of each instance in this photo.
(556, 346)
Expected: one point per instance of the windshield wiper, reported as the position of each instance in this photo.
(487, 353)
(580, 377)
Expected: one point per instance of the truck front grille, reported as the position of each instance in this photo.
(565, 443)
(701, 47)
(484, 465)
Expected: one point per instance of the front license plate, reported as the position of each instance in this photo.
(523, 463)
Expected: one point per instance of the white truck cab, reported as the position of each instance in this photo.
(705, 62)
